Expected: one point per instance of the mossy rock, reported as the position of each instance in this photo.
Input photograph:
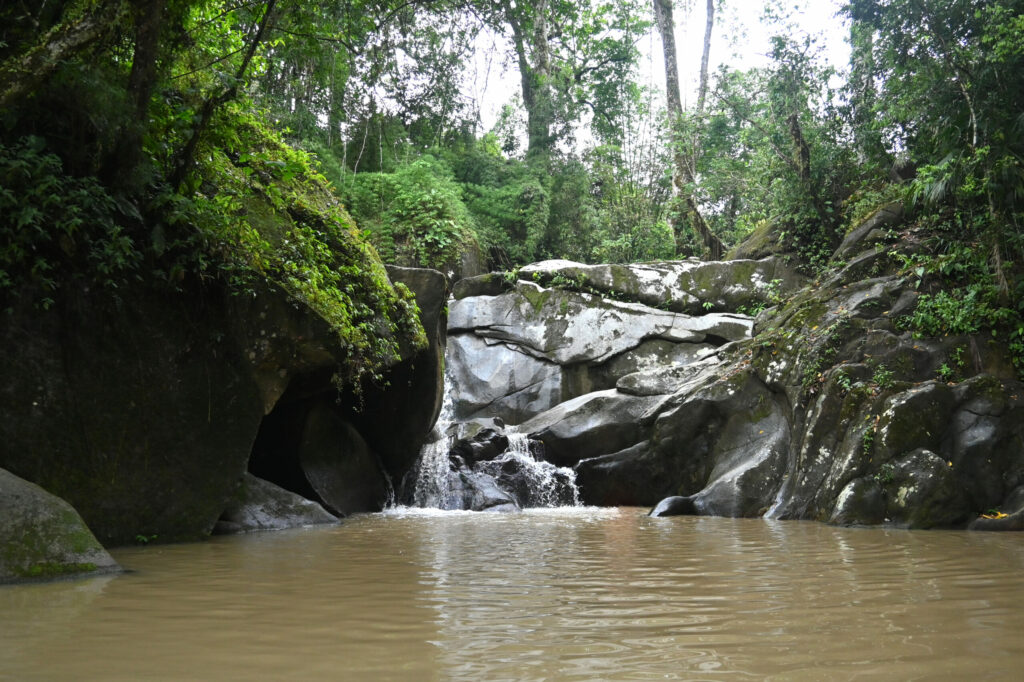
(43, 537)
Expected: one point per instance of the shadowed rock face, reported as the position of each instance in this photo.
(822, 409)
(142, 409)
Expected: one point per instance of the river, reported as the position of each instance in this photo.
(557, 594)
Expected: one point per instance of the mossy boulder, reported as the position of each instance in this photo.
(43, 537)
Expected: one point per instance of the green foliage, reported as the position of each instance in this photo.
(268, 216)
(415, 216)
(53, 226)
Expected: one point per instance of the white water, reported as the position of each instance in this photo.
(432, 482)
(433, 487)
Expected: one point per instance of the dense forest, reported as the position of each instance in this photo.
(158, 142)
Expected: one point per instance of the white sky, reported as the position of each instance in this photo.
(739, 39)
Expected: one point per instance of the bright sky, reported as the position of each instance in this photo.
(739, 39)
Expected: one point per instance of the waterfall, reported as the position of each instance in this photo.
(514, 475)
(547, 485)
(433, 471)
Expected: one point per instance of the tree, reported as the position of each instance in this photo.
(685, 149)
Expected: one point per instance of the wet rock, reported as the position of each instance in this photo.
(345, 474)
(481, 492)
(595, 424)
(484, 445)
(676, 506)
(396, 416)
(1010, 516)
(637, 476)
(861, 503)
(43, 537)
(261, 505)
(921, 491)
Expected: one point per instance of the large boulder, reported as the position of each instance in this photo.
(42, 536)
(689, 286)
(345, 474)
(568, 327)
(497, 379)
(395, 416)
(261, 505)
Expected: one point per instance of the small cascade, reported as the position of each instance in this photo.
(433, 470)
(545, 484)
(505, 478)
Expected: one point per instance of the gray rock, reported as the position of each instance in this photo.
(567, 327)
(497, 380)
(676, 506)
(43, 537)
(690, 286)
(922, 492)
(261, 505)
(595, 424)
(861, 503)
(870, 230)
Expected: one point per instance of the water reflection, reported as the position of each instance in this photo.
(564, 594)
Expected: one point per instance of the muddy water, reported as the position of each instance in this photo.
(574, 594)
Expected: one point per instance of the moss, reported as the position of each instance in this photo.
(54, 570)
(537, 298)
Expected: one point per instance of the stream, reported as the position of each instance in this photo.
(547, 594)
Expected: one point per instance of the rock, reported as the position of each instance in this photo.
(870, 230)
(261, 505)
(497, 380)
(397, 414)
(595, 424)
(689, 286)
(346, 476)
(922, 492)
(141, 414)
(861, 503)
(635, 477)
(1012, 517)
(481, 492)
(491, 284)
(675, 506)
(661, 380)
(42, 536)
(566, 327)
(483, 446)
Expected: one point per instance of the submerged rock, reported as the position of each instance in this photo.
(43, 537)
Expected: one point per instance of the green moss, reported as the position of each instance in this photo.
(54, 570)
(537, 298)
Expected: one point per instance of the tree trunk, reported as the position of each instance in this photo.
(705, 57)
(684, 177)
(534, 58)
(149, 18)
(21, 75)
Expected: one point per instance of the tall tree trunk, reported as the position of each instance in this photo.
(705, 57)
(684, 176)
(533, 54)
(149, 18)
(22, 74)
